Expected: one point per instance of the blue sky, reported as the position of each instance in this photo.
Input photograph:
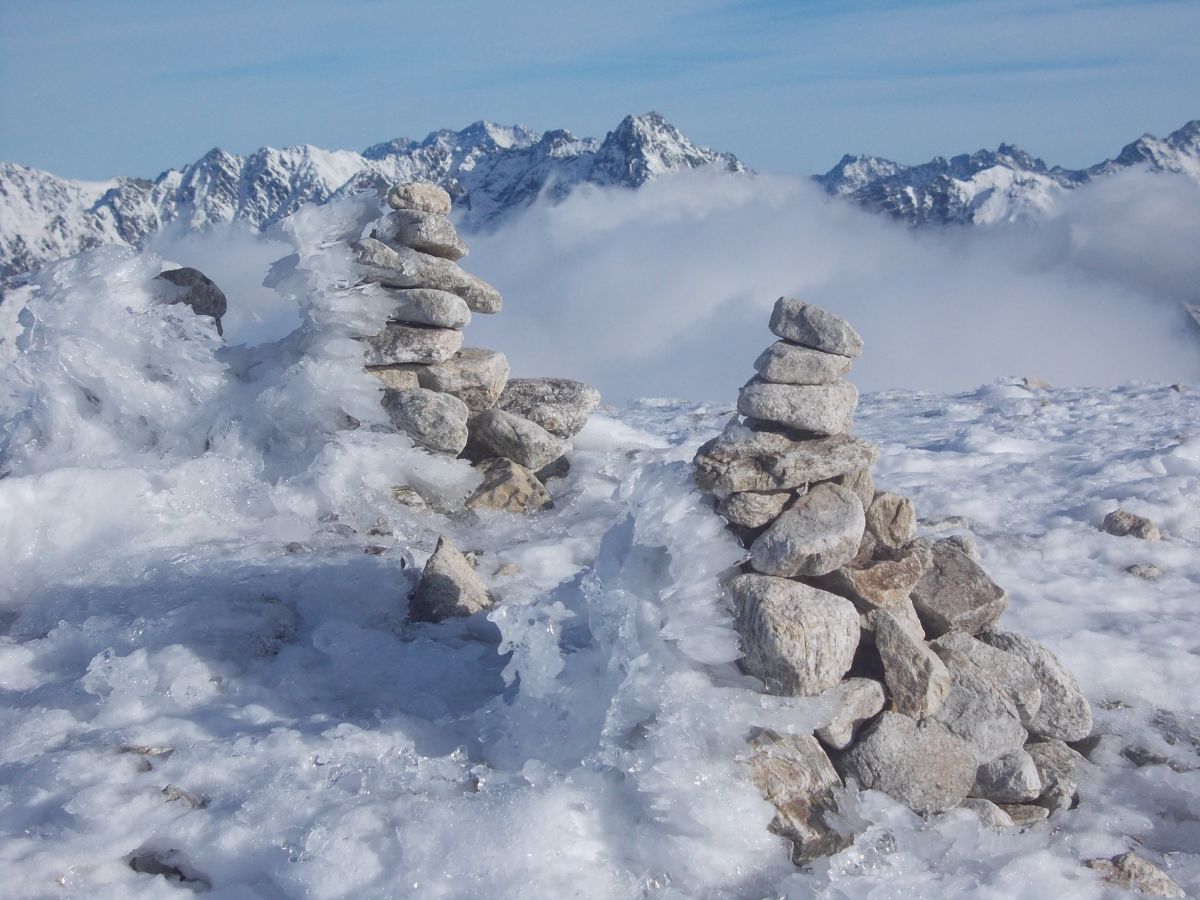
(95, 88)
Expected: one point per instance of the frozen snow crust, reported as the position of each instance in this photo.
(204, 645)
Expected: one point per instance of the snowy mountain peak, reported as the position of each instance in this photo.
(491, 170)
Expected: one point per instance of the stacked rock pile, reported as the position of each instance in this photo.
(449, 398)
(938, 707)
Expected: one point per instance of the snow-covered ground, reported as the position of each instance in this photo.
(205, 658)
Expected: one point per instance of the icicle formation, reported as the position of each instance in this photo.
(449, 398)
(938, 707)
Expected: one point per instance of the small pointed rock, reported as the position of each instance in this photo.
(1057, 765)
(892, 519)
(859, 700)
(917, 680)
(449, 587)
(508, 486)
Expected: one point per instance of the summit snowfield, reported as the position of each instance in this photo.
(490, 170)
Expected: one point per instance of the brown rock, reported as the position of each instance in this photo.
(956, 593)
(508, 486)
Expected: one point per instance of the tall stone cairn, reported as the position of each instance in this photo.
(937, 705)
(451, 399)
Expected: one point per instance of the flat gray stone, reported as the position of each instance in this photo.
(398, 344)
(474, 375)
(956, 593)
(745, 460)
(508, 486)
(1011, 777)
(420, 195)
(1056, 766)
(1008, 673)
(559, 405)
(1130, 872)
(794, 774)
(797, 639)
(495, 432)
(1064, 713)
(818, 533)
(859, 700)
(810, 326)
(427, 306)
(977, 712)
(1123, 523)
(428, 232)
(754, 509)
(787, 363)
(448, 587)
(814, 408)
(922, 765)
(892, 519)
(916, 678)
(435, 421)
(404, 267)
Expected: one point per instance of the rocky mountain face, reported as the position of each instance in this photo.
(990, 187)
(490, 170)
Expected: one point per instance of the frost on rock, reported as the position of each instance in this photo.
(795, 487)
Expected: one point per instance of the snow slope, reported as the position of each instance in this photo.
(491, 170)
(987, 188)
(204, 652)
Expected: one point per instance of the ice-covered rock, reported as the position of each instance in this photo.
(404, 267)
(815, 408)
(956, 593)
(796, 638)
(990, 815)
(921, 764)
(795, 775)
(1121, 522)
(398, 344)
(435, 421)
(859, 700)
(559, 405)
(194, 289)
(495, 432)
(448, 587)
(818, 533)
(508, 486)
(1132, 873)
(428, 232)
(810, 326)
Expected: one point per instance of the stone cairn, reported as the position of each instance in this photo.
(456, 400)
(936, 705)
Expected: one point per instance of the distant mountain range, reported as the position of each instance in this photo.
(986, 188)
(494, 170)
(491, 170)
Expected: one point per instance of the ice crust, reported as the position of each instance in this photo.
(183, 528)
